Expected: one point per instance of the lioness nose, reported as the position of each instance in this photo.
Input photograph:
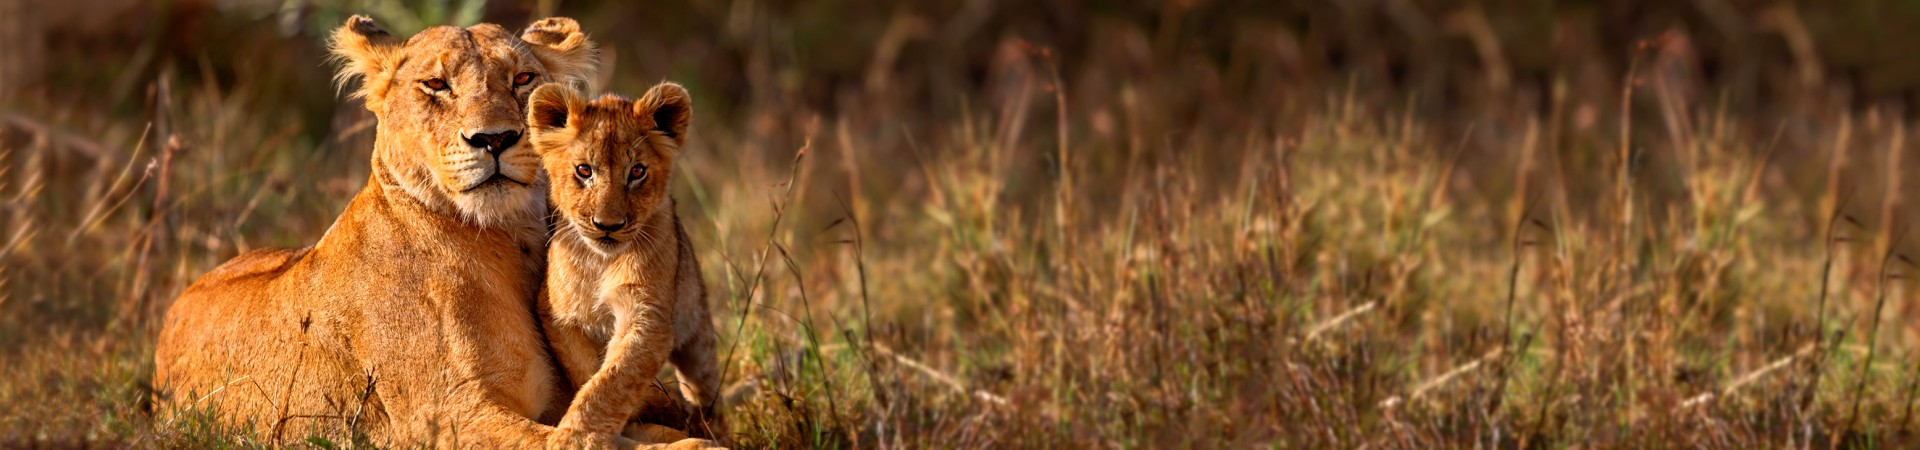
(608, 227)
(494, 142)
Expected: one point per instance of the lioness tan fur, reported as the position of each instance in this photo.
(412, 319)
(624, 293)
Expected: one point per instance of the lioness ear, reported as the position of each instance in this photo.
(668, 109)
(560, 46)
(365, 52)
(552, 112)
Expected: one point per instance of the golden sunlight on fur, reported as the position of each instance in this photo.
(410, 319)
(622, 280)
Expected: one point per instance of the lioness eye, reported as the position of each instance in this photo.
(583, 170)
(435, 84)
(638, 171)
(522, 79)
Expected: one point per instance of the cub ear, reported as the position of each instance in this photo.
(560, 46)
(667, 109)
(553, 110)
(365, 52)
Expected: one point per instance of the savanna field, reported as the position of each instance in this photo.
(994, 224)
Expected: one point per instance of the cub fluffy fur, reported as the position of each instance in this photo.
(624, 293)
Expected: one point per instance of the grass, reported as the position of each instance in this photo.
(1067, 254)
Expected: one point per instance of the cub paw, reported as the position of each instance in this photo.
(564, 438)
(695, 444)
(647, 432)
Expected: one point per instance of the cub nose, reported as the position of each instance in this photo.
(494, 143)
(608, 227)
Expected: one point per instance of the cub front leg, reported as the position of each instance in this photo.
(698, 368)
(641, 341)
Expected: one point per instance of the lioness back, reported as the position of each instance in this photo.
(622, 275)
(261, 263)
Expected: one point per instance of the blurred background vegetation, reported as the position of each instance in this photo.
(984, 223)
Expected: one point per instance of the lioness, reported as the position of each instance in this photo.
(412, 319)
(622, 280)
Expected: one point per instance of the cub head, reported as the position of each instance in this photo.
(608, 161)
(451, 105)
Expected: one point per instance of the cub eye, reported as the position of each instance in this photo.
(637, 172)
(522, 79)
(435, 84)
(583, 170)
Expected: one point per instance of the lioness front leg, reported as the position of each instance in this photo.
(579, 355)
(639, 347)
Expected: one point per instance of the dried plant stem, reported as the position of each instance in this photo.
(806, 325)
(100, 209)
(866, 302)
(86, 147)
(1623, 182)
(1336, 321)
(940, 377)
(739, 390)
(1513, 273)
(1443, 379)
(1063, 213)
(1873, 332)
(1820, 310)
(766, 251)
(140, 302)
(1749, 377)
(1906, 408)
(1890, 203)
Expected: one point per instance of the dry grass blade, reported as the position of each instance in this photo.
(1748, 378)
(1336, 321)
(766, 250)
(87, 147)
(1873, 325)
(1436, 382)
(99, 210)
(941, 377)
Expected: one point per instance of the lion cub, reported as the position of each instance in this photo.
(624, 294)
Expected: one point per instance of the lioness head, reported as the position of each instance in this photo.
(609, 160)
(451, 104)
